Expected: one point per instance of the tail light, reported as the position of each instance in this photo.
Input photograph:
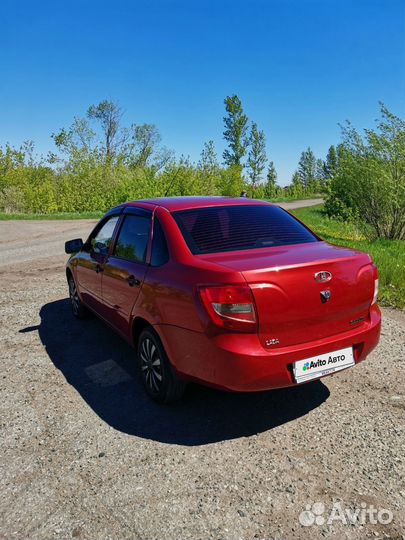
(375, 294)
(230, 307)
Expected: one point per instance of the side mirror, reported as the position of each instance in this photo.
(73, 246)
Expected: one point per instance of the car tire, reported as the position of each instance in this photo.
(158, 377)
(79, 310)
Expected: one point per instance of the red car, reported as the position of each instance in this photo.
(234, 293)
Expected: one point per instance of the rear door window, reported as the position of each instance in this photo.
(132, 241)
(230, 228)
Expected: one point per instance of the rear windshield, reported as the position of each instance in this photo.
(229, 228)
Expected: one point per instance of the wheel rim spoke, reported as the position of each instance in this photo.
(153, 378)
(74, 297)
(157, 375)
(151, 365)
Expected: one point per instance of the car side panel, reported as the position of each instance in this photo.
(88, 280)
(121, 284)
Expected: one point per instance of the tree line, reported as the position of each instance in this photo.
(99, 162)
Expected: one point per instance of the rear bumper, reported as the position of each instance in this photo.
(239, 363)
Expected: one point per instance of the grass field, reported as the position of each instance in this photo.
(389, 255)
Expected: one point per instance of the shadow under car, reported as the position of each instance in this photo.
(102, 368)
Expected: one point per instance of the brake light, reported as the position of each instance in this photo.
(230, 306)
(375, 294)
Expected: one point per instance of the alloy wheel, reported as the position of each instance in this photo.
(74, 297)
(151, 365)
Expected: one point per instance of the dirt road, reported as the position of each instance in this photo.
(300, 204)
(84, 454)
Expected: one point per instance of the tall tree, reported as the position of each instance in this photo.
(109, 115)
(296, 182)
(142, 147)
(257, 155)
(320, 174)
(331, 162)
(235, 133)
(77, 142)
(307, 167)
(270, 187)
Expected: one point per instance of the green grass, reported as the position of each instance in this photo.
(63, 215)
(388, 255)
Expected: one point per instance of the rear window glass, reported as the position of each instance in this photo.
(229, 228)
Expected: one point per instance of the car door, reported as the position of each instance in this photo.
(125, 269)
(90, 262)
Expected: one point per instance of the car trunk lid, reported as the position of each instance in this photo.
(294, 305)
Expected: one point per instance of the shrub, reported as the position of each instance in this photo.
(369, 184)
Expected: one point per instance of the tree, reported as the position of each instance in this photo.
(296, 181)
(208, 158)
(320, 175)
(109, 115)
(78, 139)
(235, 132)
(142, 147)
(307, 168)
(331, 163)
(145, 139)
(231, 182)
(270, 188)
(296, 188)
(257, 155)
(208, 168)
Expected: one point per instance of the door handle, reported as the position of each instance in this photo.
(99, 269)
(133, 281)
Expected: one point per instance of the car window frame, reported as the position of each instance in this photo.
(155, 220)
(132, 211)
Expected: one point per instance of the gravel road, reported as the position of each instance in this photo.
(84, 454)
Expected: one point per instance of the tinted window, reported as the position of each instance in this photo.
(133, 238)
(160, 252)
(102, 240)
(228, 228)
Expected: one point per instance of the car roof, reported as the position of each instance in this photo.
(173, 204)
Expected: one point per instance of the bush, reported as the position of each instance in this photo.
(12, 200)
(369, 185)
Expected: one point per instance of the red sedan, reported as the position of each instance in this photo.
(234, 293)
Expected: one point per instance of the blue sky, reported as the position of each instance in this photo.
(299, 66)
